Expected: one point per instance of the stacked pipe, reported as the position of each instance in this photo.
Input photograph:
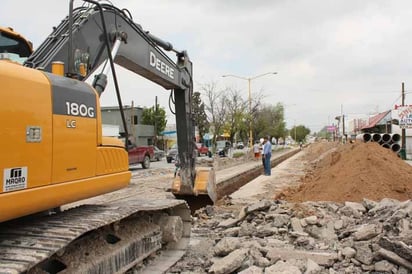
(365, 137)
(390, 141)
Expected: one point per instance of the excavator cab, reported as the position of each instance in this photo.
(13, 46)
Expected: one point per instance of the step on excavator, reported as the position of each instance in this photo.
(53, 152)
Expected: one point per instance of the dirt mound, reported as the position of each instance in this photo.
(352, 172)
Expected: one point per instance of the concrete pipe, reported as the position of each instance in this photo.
(386, 137)
(386, 145)
(365, 137)
(376, 137)
(395, 137)
(396, 147)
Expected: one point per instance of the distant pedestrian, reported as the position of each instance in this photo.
(256, 150)
(262, 145)
(267, 153)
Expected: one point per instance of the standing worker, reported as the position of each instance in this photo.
(267, 153)
(256, 150)
(262, 145)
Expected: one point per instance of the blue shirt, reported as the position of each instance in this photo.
(267, 148)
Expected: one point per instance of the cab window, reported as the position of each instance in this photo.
(14, 48)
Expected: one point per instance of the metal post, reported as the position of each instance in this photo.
(295, 133)
(403, 146)
(343, 128)
(250, 113)
(131, 126)
(155, 122)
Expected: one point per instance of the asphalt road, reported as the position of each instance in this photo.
(162, 164)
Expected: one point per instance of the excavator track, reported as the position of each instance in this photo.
(108, 238)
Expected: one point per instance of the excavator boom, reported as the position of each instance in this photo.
(94, 32)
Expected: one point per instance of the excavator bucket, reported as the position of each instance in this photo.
(205, 183)
(204, 186)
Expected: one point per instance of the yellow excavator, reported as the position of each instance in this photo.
(53, 152)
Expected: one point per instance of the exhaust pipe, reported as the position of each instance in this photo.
(376, 137)
(396, 147)
(395, 137)
(365, 137)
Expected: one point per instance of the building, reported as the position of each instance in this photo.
(169, 135)
(379, 123)
(388, 122)
(355, 126)
(141, 135)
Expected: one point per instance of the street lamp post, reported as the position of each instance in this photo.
(249, 79)
(295, 133)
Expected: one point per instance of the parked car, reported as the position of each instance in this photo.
(172, 154)
(222, 148)
(240, 145)
(202, 149)
(158, 153)
(140, 155)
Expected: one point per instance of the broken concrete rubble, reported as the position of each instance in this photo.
(281, 237)
(229, 263)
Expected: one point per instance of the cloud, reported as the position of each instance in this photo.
(328, 54)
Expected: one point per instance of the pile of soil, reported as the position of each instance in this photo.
(352, 172)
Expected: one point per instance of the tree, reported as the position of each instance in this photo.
(199, 114)
(156, 117)
(236, 113)
(325, 134)
(215, 107)
(299, 133)
(270, 121)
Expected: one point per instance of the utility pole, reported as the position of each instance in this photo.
(250, 113)
(403, 147)
(155, 122)
(131, 126)
(295, 133)
(343, 125)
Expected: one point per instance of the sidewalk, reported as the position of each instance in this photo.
(231, 179)
(286, 174)
(227, 173)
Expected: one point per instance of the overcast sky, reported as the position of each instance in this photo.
(329, 55)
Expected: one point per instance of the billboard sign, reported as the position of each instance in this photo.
(404, 116)
(331, 128)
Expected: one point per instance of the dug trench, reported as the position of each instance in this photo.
(232, 174)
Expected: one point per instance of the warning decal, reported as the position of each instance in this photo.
(14, 178)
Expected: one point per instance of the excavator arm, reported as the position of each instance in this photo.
(100, 34)
(97, 28)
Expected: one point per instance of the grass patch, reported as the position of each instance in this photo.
(238, 154)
